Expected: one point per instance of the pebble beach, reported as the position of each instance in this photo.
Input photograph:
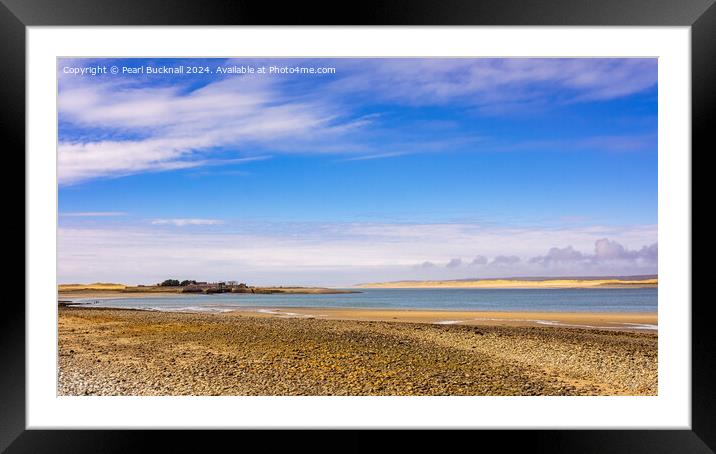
(129, 352)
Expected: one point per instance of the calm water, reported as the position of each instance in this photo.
(548, 300)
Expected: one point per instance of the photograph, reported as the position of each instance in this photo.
(463, 218)
(357, 226)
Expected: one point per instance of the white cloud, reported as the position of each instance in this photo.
(183, 222)
(500, 83)
(505, 260)
(555, 254)
(479, 260)
(332, 254)
(376, 156)
(167, 127)
(178, 130)
(605, 250)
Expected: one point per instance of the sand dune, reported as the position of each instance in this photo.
(517, 283)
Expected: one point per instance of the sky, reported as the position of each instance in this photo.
(342, 171)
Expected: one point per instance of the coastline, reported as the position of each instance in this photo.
(624, 321)
(496, 284)
(99, 294)
(125, 352)
(647, 281)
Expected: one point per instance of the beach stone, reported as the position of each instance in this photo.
(116, 352)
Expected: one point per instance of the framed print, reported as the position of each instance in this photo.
(438, 217)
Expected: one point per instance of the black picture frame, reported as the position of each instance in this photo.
(16, 15)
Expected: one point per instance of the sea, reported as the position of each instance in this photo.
(510, 300)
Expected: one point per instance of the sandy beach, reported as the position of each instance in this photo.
(624, 321)
(354, 352)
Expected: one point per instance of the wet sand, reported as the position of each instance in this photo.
(125, 352)
(625, 321)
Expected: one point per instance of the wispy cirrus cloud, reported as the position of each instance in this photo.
(122, 127)
(169, 128)
(376, 156)
(496, 82)
(181, 222)
(616, 144)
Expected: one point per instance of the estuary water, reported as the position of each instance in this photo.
(511, 300)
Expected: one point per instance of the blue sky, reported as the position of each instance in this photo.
(384, 169)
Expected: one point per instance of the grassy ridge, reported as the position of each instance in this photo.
(105, 288)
